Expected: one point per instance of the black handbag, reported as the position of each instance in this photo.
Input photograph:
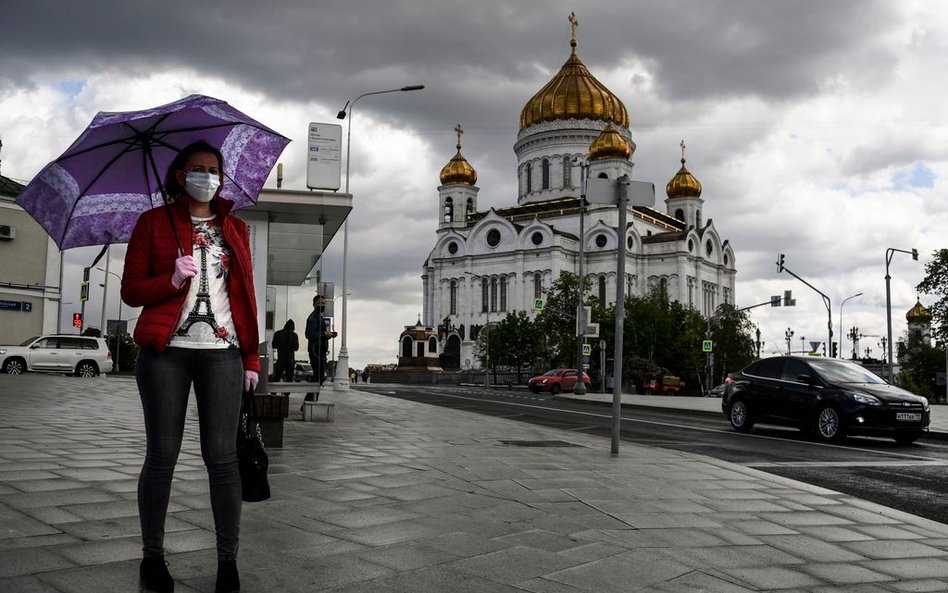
(252, 458)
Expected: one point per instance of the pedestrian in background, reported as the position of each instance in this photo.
(198, 326)
(285, 344)
(318, 335)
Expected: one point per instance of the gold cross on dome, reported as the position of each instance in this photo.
(573, 23)
(682, 151)
(459, 131)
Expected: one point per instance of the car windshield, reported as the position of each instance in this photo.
(836, 371)
(551, 373)
(30, 341)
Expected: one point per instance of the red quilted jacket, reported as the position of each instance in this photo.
(149, 265)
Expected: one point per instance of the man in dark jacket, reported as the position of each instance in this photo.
(318, 336)
(285, 344)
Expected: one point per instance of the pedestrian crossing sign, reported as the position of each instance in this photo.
(587, 349)
(538, 304)
(707, 346)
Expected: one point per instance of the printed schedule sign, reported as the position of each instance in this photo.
(324, 157)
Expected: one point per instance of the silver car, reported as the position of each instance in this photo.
(83, 356)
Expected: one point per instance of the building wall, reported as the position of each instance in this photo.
(29, 273)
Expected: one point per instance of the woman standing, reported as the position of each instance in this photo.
(198, 326)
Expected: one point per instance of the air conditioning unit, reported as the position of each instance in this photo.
(7, 232)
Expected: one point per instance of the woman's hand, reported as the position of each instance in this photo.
(184, 267)
(251, 378)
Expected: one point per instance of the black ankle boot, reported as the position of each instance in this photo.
(154, 575)
(228, 581)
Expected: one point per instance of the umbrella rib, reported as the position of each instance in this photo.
(82, 193)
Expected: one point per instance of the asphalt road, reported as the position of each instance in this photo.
(911, 478)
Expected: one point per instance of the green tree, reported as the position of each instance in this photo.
(936, 283)
(734, 345)
(557, 321)
(515, 341)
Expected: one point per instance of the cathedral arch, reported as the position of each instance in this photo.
(451, 244)
(545, 173)
(601, 284)
(492, 234)
(535, 235)
(406, 346)
(432, 344)
(680, 214)
(567, 172)
(529, 173)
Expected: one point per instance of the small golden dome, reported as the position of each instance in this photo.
(918, 313)
(574, 93)
(458, 170)
(609, 145)
(683, 184)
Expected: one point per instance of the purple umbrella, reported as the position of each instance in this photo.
(95, 191)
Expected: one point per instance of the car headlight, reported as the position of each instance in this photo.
(924, 399)
(544, 381)
(2, 351)
(868, 400)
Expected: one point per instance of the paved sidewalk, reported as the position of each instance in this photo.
(397, 496)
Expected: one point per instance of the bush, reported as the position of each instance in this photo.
(128, 353)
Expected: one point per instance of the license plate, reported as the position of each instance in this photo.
(908, 416)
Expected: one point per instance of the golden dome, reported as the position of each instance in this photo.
(609, 145)
(683, 184)
(574, 93)
(918, 313)
(458, 170)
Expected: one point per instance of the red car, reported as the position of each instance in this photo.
(556, 381)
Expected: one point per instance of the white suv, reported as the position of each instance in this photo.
(84, 356)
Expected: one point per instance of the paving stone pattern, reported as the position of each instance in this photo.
(397, 497)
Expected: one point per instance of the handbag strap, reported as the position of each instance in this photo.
(248, 406)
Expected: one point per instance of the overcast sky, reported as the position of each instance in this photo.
(817, 128)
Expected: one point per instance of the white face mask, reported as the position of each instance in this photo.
(201, 186)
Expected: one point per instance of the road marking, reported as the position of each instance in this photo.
(687, 427)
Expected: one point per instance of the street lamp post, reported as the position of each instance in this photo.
(841, 335)
(888, 301)
(758, 342)
(342, 380)
(105, 292)
(802, 344)
(580, 388)
(788, 334)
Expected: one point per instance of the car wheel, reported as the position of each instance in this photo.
(829, 424)
(906, 438)
(555, 389)
(86, 369)
(740, 416)
(14, 366)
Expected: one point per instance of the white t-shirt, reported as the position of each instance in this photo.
(206, 320)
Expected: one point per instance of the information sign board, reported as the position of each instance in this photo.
(324, 156)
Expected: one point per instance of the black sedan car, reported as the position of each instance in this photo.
(828, 397)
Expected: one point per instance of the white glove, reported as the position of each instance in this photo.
(184, 267)
(251, 378)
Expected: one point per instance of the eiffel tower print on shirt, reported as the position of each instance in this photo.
(206, 236)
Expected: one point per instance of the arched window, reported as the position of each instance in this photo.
(448, 210)
(680, 214)
(432, 344)
(546, 173)
(537, 285)
(406, 346)
(602, 291)
(529, 178)
(663, 288)
(493, 294)
(603, 176)
(454, 297)
(698, 219)
(567, 172)
(503, 293)
(469, 210)
(483, 295)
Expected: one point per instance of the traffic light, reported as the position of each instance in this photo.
(77, 320)
(834, 350)
(779, 262)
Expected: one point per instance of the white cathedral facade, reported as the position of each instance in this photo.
(485, 265)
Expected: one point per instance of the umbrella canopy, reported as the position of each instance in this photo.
(94, 192)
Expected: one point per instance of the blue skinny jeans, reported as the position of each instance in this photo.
(164, 384)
